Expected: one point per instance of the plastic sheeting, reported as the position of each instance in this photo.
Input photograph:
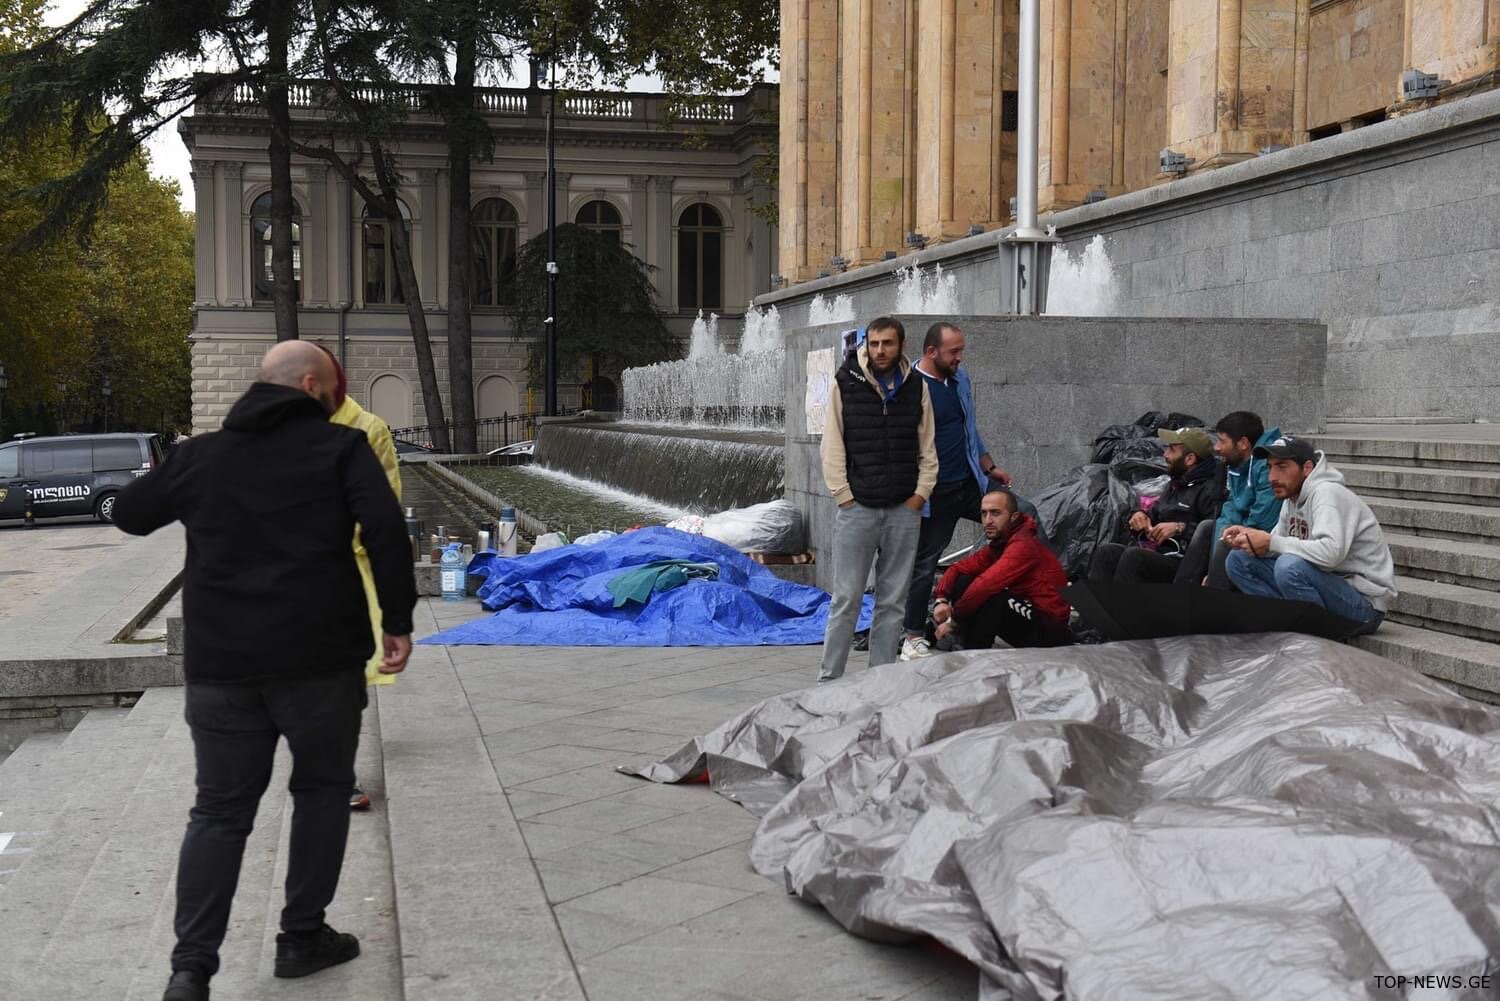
(1089, 507)
(561, 598)
(1248, 817)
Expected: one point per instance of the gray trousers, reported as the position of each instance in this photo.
(859, 533)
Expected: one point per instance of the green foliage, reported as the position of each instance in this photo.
(606, 305)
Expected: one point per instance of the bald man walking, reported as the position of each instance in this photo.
(277, 636)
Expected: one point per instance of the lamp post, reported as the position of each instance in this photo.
(549, 398)
(106, 392)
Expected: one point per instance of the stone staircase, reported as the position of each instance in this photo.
(1436, 491)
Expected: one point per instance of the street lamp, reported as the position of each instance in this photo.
(106, 392)
(549, 397)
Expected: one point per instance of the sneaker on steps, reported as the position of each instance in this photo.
(915, 648)
(298, 955)
(186, 985)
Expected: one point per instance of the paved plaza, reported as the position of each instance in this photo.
(505, 858)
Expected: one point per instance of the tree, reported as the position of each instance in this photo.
(606, 311)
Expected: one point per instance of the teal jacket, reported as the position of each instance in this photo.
(1248, 485)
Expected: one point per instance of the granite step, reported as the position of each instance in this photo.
(1449, 561)
(1437, 520)
(1469, 665)
(1343, 450)
(1418, 484)
(97, 772)
(1448, 608)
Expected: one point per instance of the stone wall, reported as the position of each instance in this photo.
(1045, 386)
(1388, 235)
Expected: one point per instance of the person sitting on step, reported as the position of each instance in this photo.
(1008, 589)
(1327, 547)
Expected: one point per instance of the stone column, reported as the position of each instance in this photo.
(236, 235)
(809, 95)
(427, 242)
(1232, 77)
(660, 242)
(316, 262)
(204, 222)
(636, 232)
(340, 233)
(872, 137)
(1083, 96)
(564, 214)
(441, 225)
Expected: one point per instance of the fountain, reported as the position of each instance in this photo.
(705, 338)
(762, 331)
(1084, 285)
(841, 310)
(920, 293)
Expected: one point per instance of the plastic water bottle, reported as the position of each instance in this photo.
(453, 573)
(505, 534)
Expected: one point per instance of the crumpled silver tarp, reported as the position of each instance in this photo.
(1216, 817)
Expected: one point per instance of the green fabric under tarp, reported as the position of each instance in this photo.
(638, 583)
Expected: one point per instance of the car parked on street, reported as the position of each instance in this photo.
(72, 474)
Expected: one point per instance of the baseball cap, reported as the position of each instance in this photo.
(1195, 440)
(1288, 447)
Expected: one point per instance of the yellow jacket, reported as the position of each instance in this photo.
(378, 433)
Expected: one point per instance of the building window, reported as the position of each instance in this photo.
(700, 258)
(495, 227)
(260, 249)
(601, 217)
(382, 283)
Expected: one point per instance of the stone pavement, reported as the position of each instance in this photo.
(502, 760)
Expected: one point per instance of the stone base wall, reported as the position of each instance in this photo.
(1388, 235)
(1045, 386)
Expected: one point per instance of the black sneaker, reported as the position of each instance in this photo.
(298, 955)
(186, 985)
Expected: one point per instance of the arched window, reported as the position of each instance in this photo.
(601, 217)
(390, 400)
(382, 283)
(497, 397)
(260, 249)
(495, 226)
(700, 258)
(606, 395)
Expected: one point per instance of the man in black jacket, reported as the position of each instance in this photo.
(276, 641)
(1194, 495)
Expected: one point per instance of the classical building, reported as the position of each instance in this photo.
(680, 191)
(899, 116)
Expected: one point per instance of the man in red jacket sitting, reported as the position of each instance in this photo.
(1009, 588)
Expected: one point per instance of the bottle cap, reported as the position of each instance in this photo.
(507, 514)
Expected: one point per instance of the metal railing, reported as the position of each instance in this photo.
(490, 433)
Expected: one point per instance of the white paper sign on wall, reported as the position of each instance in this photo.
(820, 368)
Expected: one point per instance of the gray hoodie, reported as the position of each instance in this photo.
(1330, 527)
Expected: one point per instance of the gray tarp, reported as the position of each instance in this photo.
(1215, 817)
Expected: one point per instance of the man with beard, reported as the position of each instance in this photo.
(1327, 547)
(1248, 499)
(1192, 496)
(1008, 589)
(880, 464)
(277, 638)
(965, 473)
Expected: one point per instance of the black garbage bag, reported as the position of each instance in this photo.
(1156, 420)
(1133, 466)
(1120, 436)
(1087, 508)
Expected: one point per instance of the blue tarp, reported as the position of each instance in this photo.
(560, 598)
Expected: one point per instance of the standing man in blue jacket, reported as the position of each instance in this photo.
(1249, 500)
(966, 472)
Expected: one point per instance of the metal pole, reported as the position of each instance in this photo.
(1029, 42)
(549, 405)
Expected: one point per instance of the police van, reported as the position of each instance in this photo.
(74, 474)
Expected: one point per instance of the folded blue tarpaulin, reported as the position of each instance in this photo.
(561, 597)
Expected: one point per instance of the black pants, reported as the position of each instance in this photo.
(1132, 565)
(950, 503)
(1009, 617)
(1205, 557)
(235, 730)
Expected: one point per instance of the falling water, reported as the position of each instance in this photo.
(1084, 285)
(922, 293)
(762, 331)
(701, 472)
(841, 310)
(705, 340)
